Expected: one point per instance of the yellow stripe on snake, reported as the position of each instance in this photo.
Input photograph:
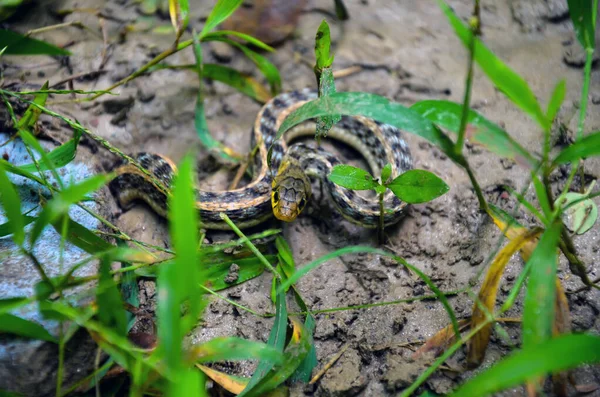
(284, 188)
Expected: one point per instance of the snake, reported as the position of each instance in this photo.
(281, 188)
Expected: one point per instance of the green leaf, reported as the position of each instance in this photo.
(30, 140)
(235, 349)
(9, 304)
(588, 146)
(60, 156)
(179, 281)
(240, 81)
(18, 44)
(479, 129)
(541, 195)
(179, 11)
(60, 203)
(111, 311)
(11, 324)
(556, 100)
(286, 258)
(538, 315)
(322, 47)
(326, 88)
(386, 172)
(82, 237)
(352, 178)
(418, 186)
(583, 14)
(7, 227)
(372, 106)
(580, 216)
(554, 355)
(33, 112)
(11, 203)
(264, 65)
(219, 13)
(503, 77)
(251, 40)
(276, 340)
(13, 169)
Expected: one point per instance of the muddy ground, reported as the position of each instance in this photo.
(408, 53)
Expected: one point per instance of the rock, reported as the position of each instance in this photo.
(29, 366)
(344, 378)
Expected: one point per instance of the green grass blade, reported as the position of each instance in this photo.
(11, 203)
(251, 40)
(352, 177)
(538, 315)
(13, 169)
(11, 324)
(179, 280)
(542, 197)
(479, 129)
(276, 340)
(60, 203)
(265, 66)
(219, 13)
(18, 44)
(7, 227)
(31, 115)
(588, 146)
(111, 312)
(503, 77)
(555, 355)
(9, 304)
(240, 81)
(82, 237)
(556, 100)
(235, 349)
(60, 156)
(30, 140)
(583, 14)
(372, 106)
(418, 186)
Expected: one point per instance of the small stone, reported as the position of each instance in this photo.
(145, 96)
(116, 105)
(233, 274)
(222, 52)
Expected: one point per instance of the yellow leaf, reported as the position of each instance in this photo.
(489, 289)
(232, 384)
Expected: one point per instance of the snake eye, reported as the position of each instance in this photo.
(276, 196)
(302, 203)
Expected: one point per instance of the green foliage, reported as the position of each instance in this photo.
(418, 186)
(111, 312)
(480, 130)
(503, 77)
(538, 316)
(588, 146)
(12, 208)
(552, 356)
(583, 14)
(219, 13)
(12, 324)
(322, 47)
(582, 210)
(17, 44)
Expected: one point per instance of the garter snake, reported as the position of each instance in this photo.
(282, 189)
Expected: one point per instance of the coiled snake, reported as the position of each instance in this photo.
(284, 188)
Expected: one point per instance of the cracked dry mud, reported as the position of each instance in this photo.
(408, 53)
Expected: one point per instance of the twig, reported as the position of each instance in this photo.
(329, 364)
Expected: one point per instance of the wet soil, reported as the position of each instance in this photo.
(407, 52)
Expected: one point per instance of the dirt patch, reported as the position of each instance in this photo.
(408, 53)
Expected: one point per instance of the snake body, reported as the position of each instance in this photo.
(284, 183)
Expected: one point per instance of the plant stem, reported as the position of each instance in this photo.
(381, 219)
(475, 29)
(483, 206)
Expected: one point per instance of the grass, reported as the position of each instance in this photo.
(192, 269)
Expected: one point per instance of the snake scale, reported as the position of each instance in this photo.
(283, 187)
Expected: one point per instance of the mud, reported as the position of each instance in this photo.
(407, 52)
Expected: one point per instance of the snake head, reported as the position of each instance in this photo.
(291, 191)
